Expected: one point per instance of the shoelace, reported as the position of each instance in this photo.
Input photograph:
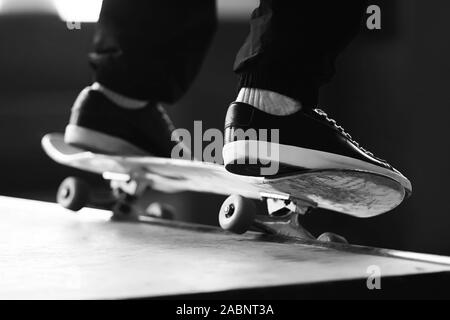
(324, 115)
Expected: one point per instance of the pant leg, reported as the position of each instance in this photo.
(292, 45)
(152, 49)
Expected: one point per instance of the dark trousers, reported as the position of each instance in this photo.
(153, 49)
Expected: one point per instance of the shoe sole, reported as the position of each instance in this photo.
(100, 142)
(249, 157)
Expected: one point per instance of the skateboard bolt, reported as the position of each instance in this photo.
(229, 210)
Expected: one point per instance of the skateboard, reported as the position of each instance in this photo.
(272, 205)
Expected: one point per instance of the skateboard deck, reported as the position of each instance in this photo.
(356, 193)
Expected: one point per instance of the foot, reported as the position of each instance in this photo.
(307, 140)
(99, 125)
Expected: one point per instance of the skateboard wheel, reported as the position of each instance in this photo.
(73, 193)
(237, 214)
(161, 211)
(332, 237)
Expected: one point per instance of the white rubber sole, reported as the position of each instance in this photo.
(252, 151)
(100, 142)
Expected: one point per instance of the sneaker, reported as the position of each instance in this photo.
(307, 140)
(99, 125)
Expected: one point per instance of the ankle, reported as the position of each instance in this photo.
(268, 101)
(119, 99)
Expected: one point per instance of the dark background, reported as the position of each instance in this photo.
(391, 91)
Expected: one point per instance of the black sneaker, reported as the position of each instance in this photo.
(307, 140)
(98, 125)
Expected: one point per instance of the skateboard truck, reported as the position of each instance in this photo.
(283, 218)
(126, 200)
(239, 214)
(130, 200)
(274, 214)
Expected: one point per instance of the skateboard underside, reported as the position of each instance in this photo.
(356, 193)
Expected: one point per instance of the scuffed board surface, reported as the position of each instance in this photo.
(364, 195)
